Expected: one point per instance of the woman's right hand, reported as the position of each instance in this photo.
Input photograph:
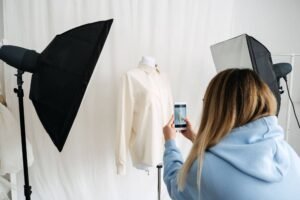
(188, 132)
(169, 130)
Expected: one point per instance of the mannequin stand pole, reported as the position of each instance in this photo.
(20, 93)
(159, 167)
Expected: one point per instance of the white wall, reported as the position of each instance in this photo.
(274, 22)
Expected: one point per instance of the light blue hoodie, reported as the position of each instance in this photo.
(253, 162)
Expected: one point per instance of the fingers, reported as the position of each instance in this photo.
(183, 131)
(188, 123)
(173, 125)
(171, 121)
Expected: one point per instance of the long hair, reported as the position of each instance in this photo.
(233, 98)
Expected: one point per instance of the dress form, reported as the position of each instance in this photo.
(148, 60)
(151, 62)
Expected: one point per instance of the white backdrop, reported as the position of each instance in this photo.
(177, 33)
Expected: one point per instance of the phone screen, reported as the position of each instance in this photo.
(179, 115)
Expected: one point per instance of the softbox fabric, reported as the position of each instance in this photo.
(64, 71)
(244, 51)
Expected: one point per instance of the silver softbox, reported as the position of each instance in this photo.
(245, 51)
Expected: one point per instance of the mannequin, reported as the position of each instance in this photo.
(144, 106)
(148, 60)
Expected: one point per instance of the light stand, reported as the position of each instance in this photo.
(20, 93)
(60, 76)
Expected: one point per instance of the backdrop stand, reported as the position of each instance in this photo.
(20, 93)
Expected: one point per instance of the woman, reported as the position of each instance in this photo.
(239, 152)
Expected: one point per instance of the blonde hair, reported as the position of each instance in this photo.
(233, 98)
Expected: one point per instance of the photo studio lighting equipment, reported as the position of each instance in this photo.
(60, 76)
(281, 71)
(245, 51)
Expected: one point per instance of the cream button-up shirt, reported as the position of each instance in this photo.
(145, 106)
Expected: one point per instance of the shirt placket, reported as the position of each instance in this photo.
(158, 86)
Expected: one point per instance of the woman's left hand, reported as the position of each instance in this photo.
(169, 130)
(188, 132)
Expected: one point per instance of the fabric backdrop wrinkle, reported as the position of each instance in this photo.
(177, 33)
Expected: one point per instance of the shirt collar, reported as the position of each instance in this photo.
(149, 69)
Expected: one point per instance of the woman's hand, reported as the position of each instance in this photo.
(169, 130)
(188, 132)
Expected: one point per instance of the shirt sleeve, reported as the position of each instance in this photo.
(124, 124)
(172, 164)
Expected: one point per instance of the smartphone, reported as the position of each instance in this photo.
(180, 115)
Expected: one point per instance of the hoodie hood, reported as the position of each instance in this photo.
(257, 149)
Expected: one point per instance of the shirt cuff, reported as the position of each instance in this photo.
(171, 143)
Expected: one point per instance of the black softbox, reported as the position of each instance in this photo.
(245, 51)
(60, 81)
